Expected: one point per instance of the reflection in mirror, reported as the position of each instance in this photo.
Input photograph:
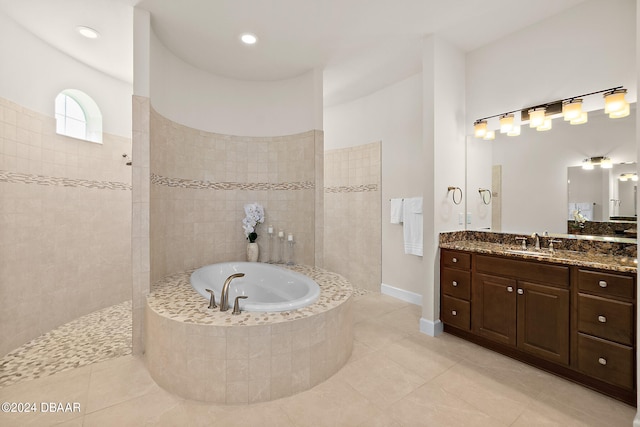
(527, 174)
(602, 201)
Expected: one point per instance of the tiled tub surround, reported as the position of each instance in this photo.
(573, 250)
(65, 222)
(352, 233)
(217, 357)
(200, 182)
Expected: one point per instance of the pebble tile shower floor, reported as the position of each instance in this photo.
(102, 335)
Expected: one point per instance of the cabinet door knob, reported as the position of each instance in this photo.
(602, 284)
(453, 312)
(454, 260)
(520, 291)
(602, 319)
(454, 283)
(602, 361)
(509, 288)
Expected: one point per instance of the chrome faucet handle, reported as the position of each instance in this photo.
(551, 242)
(524, 242)
(212, 300)
(236, 304)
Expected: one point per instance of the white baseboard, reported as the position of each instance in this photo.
(428, 327)
(636, 420)
(401, 294)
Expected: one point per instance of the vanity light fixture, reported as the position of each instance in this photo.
(506, 123)
(480, 128)
(546, 125)
(540, 116)
(614, 101)
(515, 131)
(628, 176)
(603, 162)
(583, 118)
(490, 135)
(572, 109)
(537, 117)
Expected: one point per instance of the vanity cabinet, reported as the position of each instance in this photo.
(523, 304)
(577, 322)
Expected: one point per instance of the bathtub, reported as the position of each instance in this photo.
(268, 287)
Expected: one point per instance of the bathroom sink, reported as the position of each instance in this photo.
(527, 252)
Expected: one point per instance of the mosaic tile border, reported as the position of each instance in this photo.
(209, 185)
(25, 178)
(351, 188)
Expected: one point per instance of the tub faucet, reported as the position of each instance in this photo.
(224, 296)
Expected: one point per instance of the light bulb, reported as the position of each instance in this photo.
(515, 131)
(614, 101)
(584, 118)
(624, 112)
(546, 125)
(571, 110)
(490, 135)
(480, 128)
(506, 123)
(536, 116)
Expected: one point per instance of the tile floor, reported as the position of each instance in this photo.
(396, 377)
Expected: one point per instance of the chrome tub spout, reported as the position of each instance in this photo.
(224, 297)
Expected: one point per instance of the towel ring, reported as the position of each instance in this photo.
(483, 192)
(454, 189)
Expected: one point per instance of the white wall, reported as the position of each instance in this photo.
(394, 116)
(36, 73)
(204, 101)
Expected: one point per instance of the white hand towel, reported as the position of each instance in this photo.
(412, 227)
(396, 211)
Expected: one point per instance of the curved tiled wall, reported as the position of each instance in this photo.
(200, 182)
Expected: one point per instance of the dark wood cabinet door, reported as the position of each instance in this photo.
(494, 308)
(543, 321)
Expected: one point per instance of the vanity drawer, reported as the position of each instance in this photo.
(456, 283)
(455, 259)
(538, 272)
(606, 284)
(605, 318)
(606, 361)
(456, 312)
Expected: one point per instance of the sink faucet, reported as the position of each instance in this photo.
(224, 296)
(537, 237)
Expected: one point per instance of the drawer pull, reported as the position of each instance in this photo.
(602, 361)
(520, 291)
(602, 319)
(509, 288)
(454, 260)
(454, 313)
(602, 284)
(454, 283)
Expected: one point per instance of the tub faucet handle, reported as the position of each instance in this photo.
(212, 300)
(236, 305)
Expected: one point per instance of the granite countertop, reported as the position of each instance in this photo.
(619, 263)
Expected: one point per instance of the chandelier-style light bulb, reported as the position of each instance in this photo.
(614, 101)
(480, 128)
(546, 125)
(506, 123)
(572, 109)
(536, 117)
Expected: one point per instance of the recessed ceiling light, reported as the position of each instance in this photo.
(89, 33)
(248, 38)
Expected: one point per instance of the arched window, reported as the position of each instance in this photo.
(78, 116)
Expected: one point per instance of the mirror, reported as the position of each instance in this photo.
(527, 174)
